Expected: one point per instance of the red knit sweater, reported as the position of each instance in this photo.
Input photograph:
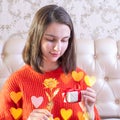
(26, 90)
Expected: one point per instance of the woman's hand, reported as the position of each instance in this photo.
(89, 99)
(40, 114)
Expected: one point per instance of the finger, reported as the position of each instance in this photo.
(89, 99)
(89, 92)
(90, 96)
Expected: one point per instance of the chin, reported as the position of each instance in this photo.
(54, 60)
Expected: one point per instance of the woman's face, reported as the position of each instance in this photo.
(55, 41)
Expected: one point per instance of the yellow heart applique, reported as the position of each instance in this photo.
(16, 113)
(66, 114)
(15, 96)
(90, 81)
(77, 76)
(57, 118)
(86, 116)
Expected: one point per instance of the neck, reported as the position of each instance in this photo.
(47, 67)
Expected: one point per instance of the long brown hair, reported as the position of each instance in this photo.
(32, 54)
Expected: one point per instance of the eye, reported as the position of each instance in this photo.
(65, 40)
(50, 40)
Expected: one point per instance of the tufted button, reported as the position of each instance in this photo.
(106, 78)
(2, 56)
(117, 101)
(118, 56)
(95, 56)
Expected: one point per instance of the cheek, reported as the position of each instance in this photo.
(64, 47)
(46, 47)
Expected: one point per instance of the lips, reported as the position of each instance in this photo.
(55, 54)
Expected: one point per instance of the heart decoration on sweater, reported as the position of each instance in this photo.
(15, 96)
(65, 77)
(80, 116)
(66, 114)
(36, 101)
(77, 76)
(90, 81)
(57, 118)
(16, 113)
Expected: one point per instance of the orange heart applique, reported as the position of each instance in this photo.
(90, 81)
(77, 76)
(16, 113)
(15, 96)
(66, 114)
(80, 116)
(65, 77)
(57, 118)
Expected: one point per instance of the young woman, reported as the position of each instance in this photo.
(49, 86)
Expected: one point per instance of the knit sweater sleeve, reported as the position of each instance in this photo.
(8, 100)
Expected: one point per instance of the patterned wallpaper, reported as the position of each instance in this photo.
(93, 19)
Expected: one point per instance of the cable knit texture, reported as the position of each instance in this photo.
(26, 90)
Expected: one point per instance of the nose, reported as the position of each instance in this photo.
(57, 46)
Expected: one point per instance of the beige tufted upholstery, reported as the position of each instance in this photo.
(10, 57)
(100, 58)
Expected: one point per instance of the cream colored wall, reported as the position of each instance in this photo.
(93, 19)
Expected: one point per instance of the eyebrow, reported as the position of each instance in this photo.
(55, 36)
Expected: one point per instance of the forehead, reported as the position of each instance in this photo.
(58, 29)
